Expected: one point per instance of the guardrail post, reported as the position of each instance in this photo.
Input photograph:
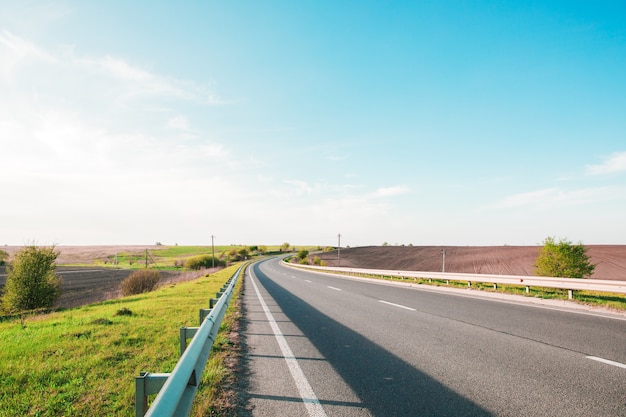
(469, 283)
(147, 384)
(527, 289)
(204, 312)
(570, 294)
(212, 302)
(495, 286)
(186, 333)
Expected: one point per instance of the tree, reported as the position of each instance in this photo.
(302, 254)
(284, 247)
(563, 259)
(31, 281)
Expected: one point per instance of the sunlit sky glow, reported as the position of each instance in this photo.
(262, 122)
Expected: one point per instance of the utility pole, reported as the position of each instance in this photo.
(213, 251)
(443, 260)
(339, 249)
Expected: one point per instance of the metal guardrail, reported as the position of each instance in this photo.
(176, 390)
(569, 284)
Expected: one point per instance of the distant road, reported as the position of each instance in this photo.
(358, 348)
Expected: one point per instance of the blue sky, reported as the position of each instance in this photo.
(425, 123)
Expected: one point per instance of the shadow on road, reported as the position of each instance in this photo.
(386, 384)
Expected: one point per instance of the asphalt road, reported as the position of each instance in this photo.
(320, 345)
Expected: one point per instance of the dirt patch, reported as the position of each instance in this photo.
(610, 260)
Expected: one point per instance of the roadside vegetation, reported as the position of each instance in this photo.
(144, 280)
(563, 259)
(83, 361)
(31, 281)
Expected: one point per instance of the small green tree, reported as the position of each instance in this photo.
(302, 254)
(563, 259)
(31, 281)
(284, 247)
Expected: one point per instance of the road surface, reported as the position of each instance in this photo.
(320, 345)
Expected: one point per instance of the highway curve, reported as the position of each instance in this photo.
(322, 345)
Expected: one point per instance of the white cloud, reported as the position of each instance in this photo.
(132, 81)
(15, 51)
(615, 163)
(302, 187)
(179, 122)
(389, 191)
(137, 81)
(555, 197)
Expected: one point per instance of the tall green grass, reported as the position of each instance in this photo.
(83, 362)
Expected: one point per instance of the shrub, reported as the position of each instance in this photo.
(123, 312)
(31, 280)
(563, 259)
(3, 257)
(302, 254)
(141, 281)
(203, 261)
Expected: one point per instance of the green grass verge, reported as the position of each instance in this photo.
(83, 362)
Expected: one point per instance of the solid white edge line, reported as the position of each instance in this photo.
(307, 394)
(333, 288)
(608, 362)
(396, 305)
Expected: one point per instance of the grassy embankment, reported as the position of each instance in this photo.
(83, 361)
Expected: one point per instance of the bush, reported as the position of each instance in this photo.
(563, 259)
(138, 282)
(31, 280)
(203, 261)
(3, 257)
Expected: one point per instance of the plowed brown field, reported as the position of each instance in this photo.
(610, 260)
(85, 285)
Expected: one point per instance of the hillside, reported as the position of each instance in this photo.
(610, 260)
